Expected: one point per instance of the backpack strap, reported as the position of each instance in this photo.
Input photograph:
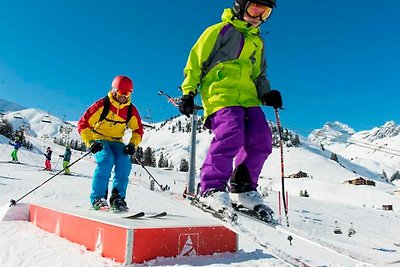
(129, 113)
(106, 108)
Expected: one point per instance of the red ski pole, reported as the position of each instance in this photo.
(278, 122)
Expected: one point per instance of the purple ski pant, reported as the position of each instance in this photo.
(238, 132)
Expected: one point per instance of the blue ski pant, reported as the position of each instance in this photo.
(112, 155)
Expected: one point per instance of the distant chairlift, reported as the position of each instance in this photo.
(337, 229)
(18, 115)
(148, 119)
(46, 119)
(351, 231)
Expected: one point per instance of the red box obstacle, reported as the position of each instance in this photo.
(134, 241)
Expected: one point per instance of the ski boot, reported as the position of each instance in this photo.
(244, 196)
(118, 203)
(100, 204)
(219, 202)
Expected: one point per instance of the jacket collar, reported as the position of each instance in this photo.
(229, 16)
(115, 103)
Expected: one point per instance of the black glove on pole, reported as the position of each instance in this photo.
(129, 149)
(95, 147)
(273, 99)
(187, 104)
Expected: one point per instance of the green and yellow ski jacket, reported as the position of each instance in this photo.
(227, 66)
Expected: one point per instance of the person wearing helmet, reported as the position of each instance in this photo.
(47, 163)
(227, 67)
(14, 154)
(102, 128)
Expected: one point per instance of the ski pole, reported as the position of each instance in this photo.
(58, 160)
(173, 101)
(152, 177)
(278, 122)
(14, 202)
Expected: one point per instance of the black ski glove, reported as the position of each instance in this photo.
(95, 147)
(187, 104)
(129, 149)
(273, 99)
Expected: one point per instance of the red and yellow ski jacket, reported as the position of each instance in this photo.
(113, 127)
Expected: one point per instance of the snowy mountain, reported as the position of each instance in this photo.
(376, 149)
(172, 140)
(331, 132)
(388, 130)
(330, 199)
(6, 106)
(38, 123)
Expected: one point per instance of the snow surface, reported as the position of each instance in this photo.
(312, 220)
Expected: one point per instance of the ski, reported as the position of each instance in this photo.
(143, 215)
(137, 215)
(13, 162)
(251, 214)
(158, 215)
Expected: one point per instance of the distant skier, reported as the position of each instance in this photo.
(102, 127)
(47, 163)
(14, 154)
(227, 67)
(67, 158)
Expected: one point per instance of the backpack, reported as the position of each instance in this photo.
(106, 109)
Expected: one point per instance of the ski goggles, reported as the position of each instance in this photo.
(122, 94)
(256, 10)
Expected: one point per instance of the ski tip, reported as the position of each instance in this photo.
(135, 216)
(158, 215)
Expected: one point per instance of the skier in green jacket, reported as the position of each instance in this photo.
(227, 67)
(67, 158)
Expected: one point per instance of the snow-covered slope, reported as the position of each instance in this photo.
(312, 218)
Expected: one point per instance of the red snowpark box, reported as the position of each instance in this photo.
(135, 241)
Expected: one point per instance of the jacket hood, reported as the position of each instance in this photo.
(229, 16)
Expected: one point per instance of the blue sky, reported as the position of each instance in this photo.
(331, 61)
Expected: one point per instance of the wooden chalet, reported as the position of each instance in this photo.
(300, 174)
(387, 207)
(360, 181)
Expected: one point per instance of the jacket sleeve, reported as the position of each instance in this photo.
(85, 123)
(135, 124)
(199, 54)
(261, 82)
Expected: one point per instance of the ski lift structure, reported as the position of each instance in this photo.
(148, 119)
(65, 130)
(18, 115)
(46, 118)
(148, 116)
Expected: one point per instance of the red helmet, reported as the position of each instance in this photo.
(122, 84)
